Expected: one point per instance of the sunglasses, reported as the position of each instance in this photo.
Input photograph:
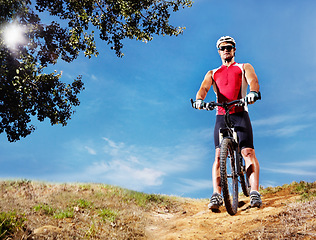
(227, 47)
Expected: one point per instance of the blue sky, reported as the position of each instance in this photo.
(135, 127)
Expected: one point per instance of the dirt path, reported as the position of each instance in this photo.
(197, 222)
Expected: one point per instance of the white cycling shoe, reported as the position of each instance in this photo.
(255, 199)
(216, 201)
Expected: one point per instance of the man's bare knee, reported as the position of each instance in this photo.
(248, 153)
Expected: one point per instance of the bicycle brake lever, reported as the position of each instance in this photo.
(192, 102)
(210, 106)
(243, 102)
(259, 96)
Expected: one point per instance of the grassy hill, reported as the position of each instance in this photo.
(35, 210)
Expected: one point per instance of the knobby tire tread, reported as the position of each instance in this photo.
(231, 204)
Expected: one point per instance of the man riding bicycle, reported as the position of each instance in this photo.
(230, 82)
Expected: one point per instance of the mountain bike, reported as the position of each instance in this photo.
(232, 164)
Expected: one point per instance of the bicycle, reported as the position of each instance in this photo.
(232, 164)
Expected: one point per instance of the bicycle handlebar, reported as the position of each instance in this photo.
(212, 105)
(225, 105)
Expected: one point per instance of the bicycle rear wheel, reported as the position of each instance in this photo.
(229, 177)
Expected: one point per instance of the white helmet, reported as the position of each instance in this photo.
(225, 39)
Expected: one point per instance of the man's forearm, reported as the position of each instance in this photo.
(201, 94)
(254, 86)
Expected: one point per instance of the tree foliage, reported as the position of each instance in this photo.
(27, 91)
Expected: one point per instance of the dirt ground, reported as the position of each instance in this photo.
(198, 222)
(280, 217)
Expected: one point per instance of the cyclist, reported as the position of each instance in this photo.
(230, 82)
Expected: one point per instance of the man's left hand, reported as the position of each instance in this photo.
(252, 97)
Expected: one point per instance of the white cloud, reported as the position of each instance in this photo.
(284, 131)
(112, 148)
(301, 167)
(281, 125)
(273, 120)
(90, 150)
(268, 183)
(112, 144)
(290, 171)
(194, 185)
(139, 167)
(94, 78)
(125, 174)
(305, 163)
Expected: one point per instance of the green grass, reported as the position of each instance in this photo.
(306, 190)
(85, 187)
(45, 209)
(61, 214)
(271, 189)
(10, 223)
(91, 232)
(82, 203)
(141, 199)
(56, 213)
(108, 214)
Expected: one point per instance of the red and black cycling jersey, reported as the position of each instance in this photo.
(230, 84)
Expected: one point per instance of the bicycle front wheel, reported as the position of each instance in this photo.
(229, 177)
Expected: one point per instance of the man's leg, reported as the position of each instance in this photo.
(216, 200)
(216, 173)
(253, 169)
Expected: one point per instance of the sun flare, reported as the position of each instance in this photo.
(13, 35)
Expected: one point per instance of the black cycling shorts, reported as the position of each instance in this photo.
(242, 126)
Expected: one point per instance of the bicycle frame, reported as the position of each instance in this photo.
(229, 132)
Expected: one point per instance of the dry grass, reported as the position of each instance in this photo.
(298, 221)
(34, 210)
(77, 211)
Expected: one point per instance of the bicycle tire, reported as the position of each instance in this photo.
(244, 180)
(229, 177)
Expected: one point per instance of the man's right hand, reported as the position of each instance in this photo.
(198, 104)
